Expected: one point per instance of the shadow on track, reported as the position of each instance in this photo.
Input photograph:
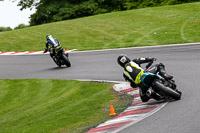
(57, 68)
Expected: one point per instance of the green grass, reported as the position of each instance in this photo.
(141, 27)
(36, 106)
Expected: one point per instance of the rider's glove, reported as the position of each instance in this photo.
(45, 50)
(152, 59)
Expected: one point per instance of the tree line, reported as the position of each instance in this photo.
(56, 10)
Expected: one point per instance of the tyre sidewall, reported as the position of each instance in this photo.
(157, 85)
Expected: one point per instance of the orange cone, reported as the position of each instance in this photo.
(112, 111)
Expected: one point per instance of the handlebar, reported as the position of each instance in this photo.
(149, 64)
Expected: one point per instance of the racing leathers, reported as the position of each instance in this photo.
(133, 71)
(51, 47)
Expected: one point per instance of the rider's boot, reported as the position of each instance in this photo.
(166, 76)
(179, 92)
(163, 73)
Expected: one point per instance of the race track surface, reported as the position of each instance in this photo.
(181, 61)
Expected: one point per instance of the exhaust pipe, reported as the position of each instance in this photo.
(149, 92)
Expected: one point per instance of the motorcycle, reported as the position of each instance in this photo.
(160, 88)
(59, 56)
(56, 51)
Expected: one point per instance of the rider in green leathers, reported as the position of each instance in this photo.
(133, 71)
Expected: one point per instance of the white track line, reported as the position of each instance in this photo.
(41, 52)
(31, 52)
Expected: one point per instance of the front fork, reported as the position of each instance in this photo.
(171, 84)
(151, 93)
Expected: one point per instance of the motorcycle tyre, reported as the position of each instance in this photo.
(59, 65)
(168, 91)
(143, 97)
(66, 60)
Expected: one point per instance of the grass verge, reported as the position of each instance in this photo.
(141, 27)
(36, 106)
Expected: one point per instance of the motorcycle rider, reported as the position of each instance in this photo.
(51, 45)
(133, 71)
(56, 51)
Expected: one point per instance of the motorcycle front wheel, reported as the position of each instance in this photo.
(66, 60)
(166, 90)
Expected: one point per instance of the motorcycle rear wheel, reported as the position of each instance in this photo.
(166, 90)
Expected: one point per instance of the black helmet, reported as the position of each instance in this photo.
(123, 59)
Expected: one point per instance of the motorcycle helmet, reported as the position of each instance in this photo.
(122, 60)
(48, 36)
(51, 40)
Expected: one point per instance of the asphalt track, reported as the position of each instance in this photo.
(182, 61)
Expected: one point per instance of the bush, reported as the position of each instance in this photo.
(20, 26)
(2, 29)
